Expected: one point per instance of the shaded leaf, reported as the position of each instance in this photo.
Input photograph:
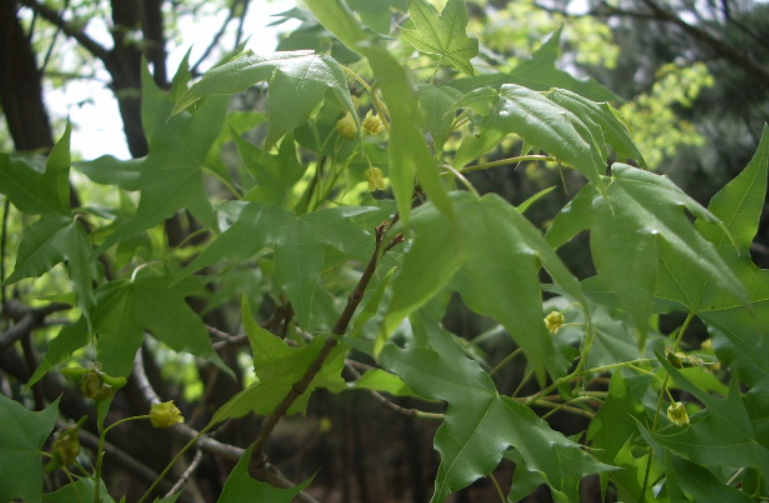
(241, 488)
(34, 192)
(22, 437)
(480, 425)
(125, 309)
(80, 491)
(299, 243)
(171, 177)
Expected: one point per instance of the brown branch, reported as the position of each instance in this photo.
(27, 320)
(299, 387)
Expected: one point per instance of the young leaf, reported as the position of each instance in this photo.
(22, 436)
(278, 367)
(443, 35)
(69, 339)
(438, 104)
(171, 176)
(241, 488)
(298, 81)
(125, 309)
(336, 17)
(480, 425)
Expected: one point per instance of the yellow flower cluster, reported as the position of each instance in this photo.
(163, 415)
(375, 178)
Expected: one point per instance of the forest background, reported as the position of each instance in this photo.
(690, 79)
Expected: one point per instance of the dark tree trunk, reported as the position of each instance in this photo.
(21, 93)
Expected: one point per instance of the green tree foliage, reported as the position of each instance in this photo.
(327, 272)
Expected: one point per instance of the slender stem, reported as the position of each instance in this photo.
(507, 359)
(173, 462)
(508, 160)
(500, 493)
(459, 175)
(661, 398)
(3, 244)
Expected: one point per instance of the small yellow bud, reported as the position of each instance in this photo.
(554, 322)
(682, 360)
(372, 124)
(375, 179)
(677, 414)
(347, 127)
(163, 415)
(93, 386)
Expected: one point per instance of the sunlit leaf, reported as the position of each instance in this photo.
(442, 34)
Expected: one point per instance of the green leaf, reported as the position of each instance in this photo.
(300, 243)
(298, 81)
(22, 437)
(379, 380)
(443, 35)
(336, 17)
(38, 193)
(548, 126)
(632, 236)
(241, 488)
(721, 435)
(55, 239)
(80, 491)
(376, 13)
(278, 367)
(275, 174)
(409, 155)
(69, 339)
(702, 485)
(438, 102)
(125, 309)
(540, 73)
(480, 425)
(739, 205)
(171, 176)
(496, 253)
(615, 133)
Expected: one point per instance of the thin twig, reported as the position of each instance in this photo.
(187, 474)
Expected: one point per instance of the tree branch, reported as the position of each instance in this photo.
(54, 18)
(299, 387)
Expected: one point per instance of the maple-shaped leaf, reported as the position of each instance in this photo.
(278, 367)
(299, 246)
(242, 488)
(739, 329)
(171, 176)
(636, 229)
(298, 82)
(22, 437)
(126, 308)
(58, 235)
(492, 257)
(480, 425)
(442, 34)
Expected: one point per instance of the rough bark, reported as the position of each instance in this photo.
(21, 93)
